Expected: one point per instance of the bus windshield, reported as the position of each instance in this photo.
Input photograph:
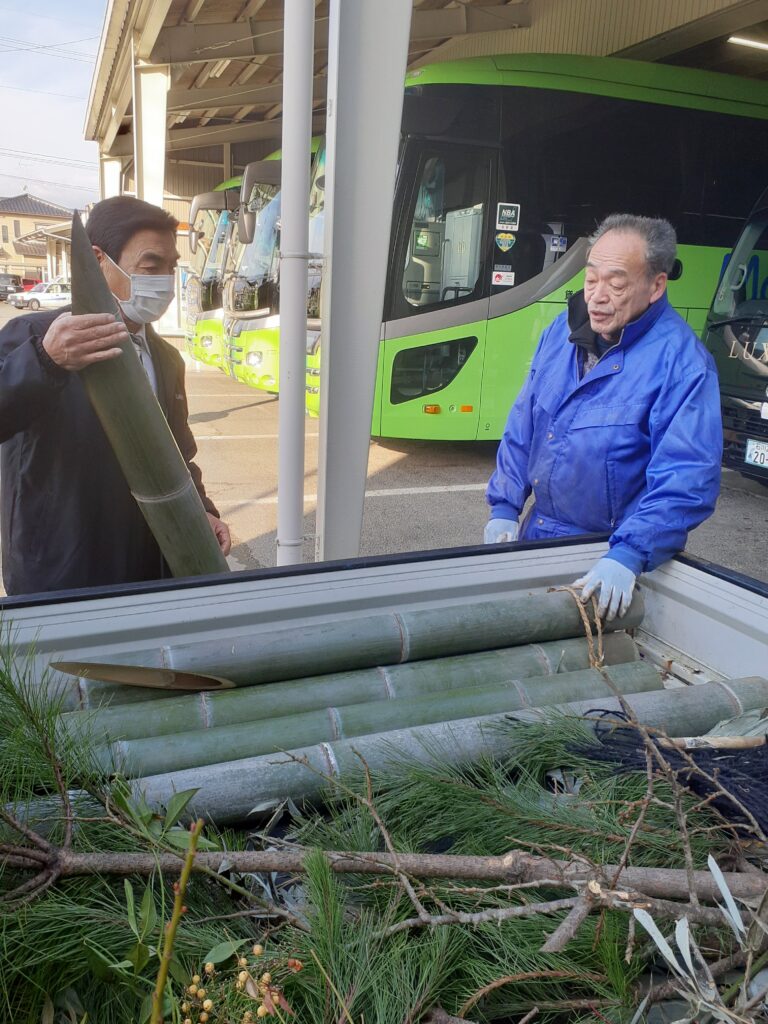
(253, 284)
(743, 288)
(316, 234)
(212, 227)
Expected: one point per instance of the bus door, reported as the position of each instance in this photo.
(436, 307)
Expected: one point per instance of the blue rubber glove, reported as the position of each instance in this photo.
(500, 531)
(616, 584)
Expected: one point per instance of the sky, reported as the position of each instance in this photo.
(49, 56)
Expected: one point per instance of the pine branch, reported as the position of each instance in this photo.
(517, 866)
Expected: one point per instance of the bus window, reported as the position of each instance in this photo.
(443, 245)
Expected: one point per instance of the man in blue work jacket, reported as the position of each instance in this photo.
(617, 428)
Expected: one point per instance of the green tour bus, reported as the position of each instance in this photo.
(252, 284)
(737, 336)
(210, 229)
(506, 165)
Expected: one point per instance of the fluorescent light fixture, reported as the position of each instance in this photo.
(741, 41)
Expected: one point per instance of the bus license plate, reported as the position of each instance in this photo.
(756, 453)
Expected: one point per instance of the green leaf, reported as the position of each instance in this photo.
(179, 838)
(103, 968)
(139, 957)
(177, 972)
(146, 1009)
(177, 805)
(131, 907)
(223, 951)
(147, 912)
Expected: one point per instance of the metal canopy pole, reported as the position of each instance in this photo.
(367, 58)
(298, 64)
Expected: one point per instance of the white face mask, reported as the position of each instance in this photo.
(151, 295)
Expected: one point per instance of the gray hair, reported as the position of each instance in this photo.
(658, 234)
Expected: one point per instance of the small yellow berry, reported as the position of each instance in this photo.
(192, 989)
(201, 993)
(210, 967)
(243, 976)
(185, 1007)
(262, 1011)
(203, 1018)
(266, 977)
(258, 949)
(242, 961)
(208, 1004)
(196, 979)
(247, 1017)
(187, 1020)
(239, 985)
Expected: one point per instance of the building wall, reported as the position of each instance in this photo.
(26, 266)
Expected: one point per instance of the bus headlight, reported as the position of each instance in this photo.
(206, 340)
(254, 359)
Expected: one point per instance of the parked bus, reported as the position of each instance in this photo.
(506, 165)
(210, 227)
(736, 334)
(252, 285)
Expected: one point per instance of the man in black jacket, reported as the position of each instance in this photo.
(67, 517)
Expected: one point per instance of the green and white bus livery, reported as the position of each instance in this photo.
(506, 165)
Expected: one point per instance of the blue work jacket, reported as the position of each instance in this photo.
(632, 449)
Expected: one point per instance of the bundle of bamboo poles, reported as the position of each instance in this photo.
(436, 682)
(233, 790)
(355, 642)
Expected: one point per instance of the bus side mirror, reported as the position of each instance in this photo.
(258, 172)
(204, 201)
(676, 272)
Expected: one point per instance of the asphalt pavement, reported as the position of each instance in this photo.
(420, 495)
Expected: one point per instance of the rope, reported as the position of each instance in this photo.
(596, 660)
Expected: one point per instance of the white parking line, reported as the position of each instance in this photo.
(391, 492)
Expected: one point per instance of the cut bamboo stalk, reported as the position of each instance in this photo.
(231, 791)
(138, 432)
(272, 700)
(353, 642)
(251, 738)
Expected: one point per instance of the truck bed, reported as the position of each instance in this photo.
(702, 622)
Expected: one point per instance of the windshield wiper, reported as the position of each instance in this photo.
(747, 318)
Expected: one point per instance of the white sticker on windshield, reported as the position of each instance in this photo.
(507, 216)
(502, 278)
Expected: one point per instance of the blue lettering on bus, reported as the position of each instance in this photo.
(759, 290)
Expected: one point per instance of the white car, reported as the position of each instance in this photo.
(53, 295)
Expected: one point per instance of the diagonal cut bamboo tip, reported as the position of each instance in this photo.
(90, 291)
(136, 675)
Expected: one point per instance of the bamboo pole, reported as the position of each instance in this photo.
(273, 700)
(250, 738)
(231, 791)
(139, 434)
(351, 642)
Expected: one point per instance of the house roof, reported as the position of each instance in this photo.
(31, 206)
(34, 249)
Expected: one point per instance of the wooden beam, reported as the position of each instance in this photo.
(198, 43)
(192, 10)
(249, 9)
